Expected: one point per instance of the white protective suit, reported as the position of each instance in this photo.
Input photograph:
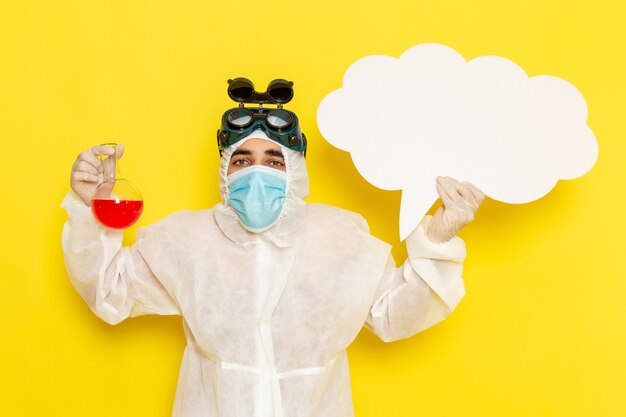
(267, 316)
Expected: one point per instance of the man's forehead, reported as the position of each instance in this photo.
(261, 145)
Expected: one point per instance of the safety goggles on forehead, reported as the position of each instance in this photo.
(278, 124)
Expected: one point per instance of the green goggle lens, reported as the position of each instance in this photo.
(239, 118)
(279, 119)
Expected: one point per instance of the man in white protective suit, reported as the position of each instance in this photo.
(272, 290)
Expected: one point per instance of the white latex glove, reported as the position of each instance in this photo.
(460, 202)
(87, 171)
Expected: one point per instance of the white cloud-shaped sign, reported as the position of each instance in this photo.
(406, 121)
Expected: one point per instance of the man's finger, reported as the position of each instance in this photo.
(119, 150)
(84, 177)
(467, 195)
(450, 185)
(101, 150)
(444, 194)
(478, 194)
(84, 166)
(449, 181)
(88, 157)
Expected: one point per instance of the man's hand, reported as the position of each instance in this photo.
(87, 171)
(460, 202)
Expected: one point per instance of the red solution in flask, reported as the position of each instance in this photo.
(117, 214)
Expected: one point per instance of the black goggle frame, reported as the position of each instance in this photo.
(278, 124)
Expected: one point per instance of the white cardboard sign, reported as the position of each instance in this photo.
(406, 121)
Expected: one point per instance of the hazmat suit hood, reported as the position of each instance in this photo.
(286, 226)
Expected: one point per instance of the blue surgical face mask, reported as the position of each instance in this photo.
(257, 195)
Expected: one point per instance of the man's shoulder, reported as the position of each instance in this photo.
(335, 215)
(344, 228)
(182, 221)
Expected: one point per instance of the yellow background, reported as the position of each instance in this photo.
(541, 331)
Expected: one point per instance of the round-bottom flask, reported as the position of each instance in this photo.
(117, 203)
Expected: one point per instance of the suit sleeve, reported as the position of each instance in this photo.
(115, 281)
(421, 293)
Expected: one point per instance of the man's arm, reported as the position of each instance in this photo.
(115, 281)
(421, 293)
(429, 285)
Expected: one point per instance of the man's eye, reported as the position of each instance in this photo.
(276, 163)
(240, 162)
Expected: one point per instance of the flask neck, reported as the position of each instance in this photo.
(110, 165)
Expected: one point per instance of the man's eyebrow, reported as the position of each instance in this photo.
(241, 152)
(274, 152)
